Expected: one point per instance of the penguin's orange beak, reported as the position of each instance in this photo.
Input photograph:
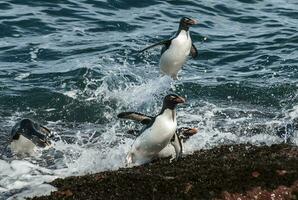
(179, 100)
(193, 22)
(190, 132)
(193, 131)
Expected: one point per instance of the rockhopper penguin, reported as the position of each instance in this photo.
(157, 133)
(27, 134)
(181, 135)
(176, 50)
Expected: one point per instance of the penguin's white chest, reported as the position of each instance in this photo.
(175, 56)
(22, 145)
(154, 139)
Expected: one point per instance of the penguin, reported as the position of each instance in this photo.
(156, 134)
(181, 134)
(27, 134)
(176, 50)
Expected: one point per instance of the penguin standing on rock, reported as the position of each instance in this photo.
(157, 133)
(27, 134)
(181, 134)
(176, 50)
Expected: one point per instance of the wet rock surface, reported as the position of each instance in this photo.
(227, 172)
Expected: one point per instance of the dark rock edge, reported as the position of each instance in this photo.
(227, 172)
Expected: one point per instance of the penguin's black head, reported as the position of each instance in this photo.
(171, 100)
(186, 22)
(24, 127)
(27, 125)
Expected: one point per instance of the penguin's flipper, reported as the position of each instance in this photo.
(176, 142)
(193, 51)
(164, 42)
(139, 117)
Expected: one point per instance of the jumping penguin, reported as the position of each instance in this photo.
(157, 133)
(27, 134)
(176, 50)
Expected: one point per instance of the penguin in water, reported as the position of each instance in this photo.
(176, 50)
(27, 134)
(157, 133)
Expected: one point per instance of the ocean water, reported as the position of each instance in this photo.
(72, 65)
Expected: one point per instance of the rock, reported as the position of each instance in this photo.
(246, 172)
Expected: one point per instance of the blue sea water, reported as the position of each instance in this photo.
(73, 66)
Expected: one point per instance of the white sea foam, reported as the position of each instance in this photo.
(72, 94)
(293, 113)
(138, 94)
(24, 176)
(38, 190)
(22, 76)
